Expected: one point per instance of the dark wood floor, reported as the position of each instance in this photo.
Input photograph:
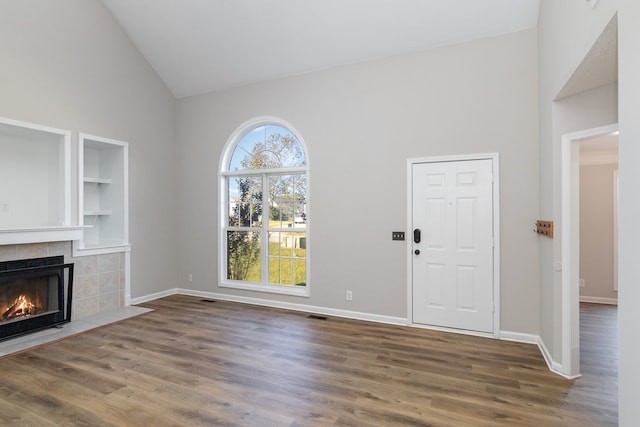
(599, 359)
(195, 363)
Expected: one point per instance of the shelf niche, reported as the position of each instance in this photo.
(102, 195)
(34, 177)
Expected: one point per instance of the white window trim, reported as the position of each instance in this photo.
(223, 174)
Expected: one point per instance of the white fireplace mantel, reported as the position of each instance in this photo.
(18, 236)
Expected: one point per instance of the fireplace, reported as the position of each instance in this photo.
(34, 294)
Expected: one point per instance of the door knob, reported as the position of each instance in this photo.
(417, 252)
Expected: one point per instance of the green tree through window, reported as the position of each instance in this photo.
(267, 206)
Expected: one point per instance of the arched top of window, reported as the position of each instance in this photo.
(267, 146)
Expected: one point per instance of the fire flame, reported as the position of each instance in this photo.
(24, 305)
(21, 307)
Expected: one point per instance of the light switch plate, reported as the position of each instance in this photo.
(397, 235)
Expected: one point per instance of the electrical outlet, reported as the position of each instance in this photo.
(582, 283)
(190, 277)
(349, 296)
(397, 235)
(4, 207)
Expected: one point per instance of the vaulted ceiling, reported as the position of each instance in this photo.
(198, 46)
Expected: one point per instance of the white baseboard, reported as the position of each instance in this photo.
(156, 295)
(357, 315)
(519, 337)
(599, 300)
(553, 366)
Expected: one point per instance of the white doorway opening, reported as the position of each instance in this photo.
(570, 146)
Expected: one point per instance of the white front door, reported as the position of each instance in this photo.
(453, 279)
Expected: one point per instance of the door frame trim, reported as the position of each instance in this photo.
(495, 159)
(570, 246)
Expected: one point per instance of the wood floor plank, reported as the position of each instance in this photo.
(193, 363)
(14, 412)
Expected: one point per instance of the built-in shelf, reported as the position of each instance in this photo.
(90, 180)
(35, 172)
(97, 213)
(102, 195)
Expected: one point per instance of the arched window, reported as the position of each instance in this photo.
(264, 207)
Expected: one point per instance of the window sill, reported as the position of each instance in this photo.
(301, 291)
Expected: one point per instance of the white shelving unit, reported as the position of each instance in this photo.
(102, 195)
(34, 175)
(35, 183)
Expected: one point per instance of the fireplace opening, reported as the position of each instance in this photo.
(34, 294)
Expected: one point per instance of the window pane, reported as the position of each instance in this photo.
(267, 147)
(287, 258)
(243, 256)
(300, 200)
(300, 272)
(232, 201)
(288, 201)
(277, 246)
(245, 201)
(299, 240)
(281, 199)
(280, 271)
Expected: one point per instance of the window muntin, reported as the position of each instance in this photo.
(266, 204)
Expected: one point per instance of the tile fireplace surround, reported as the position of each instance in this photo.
(98, 293)
(99, 280)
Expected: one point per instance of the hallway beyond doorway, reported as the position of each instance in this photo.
(599, 356)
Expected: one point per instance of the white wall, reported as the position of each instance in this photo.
(596, 232)
(579, 27)
(67, 64)
(629, 267)
(586, 110)
(361, 123)
(559, 56)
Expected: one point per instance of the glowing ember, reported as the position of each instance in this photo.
(20, 308)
